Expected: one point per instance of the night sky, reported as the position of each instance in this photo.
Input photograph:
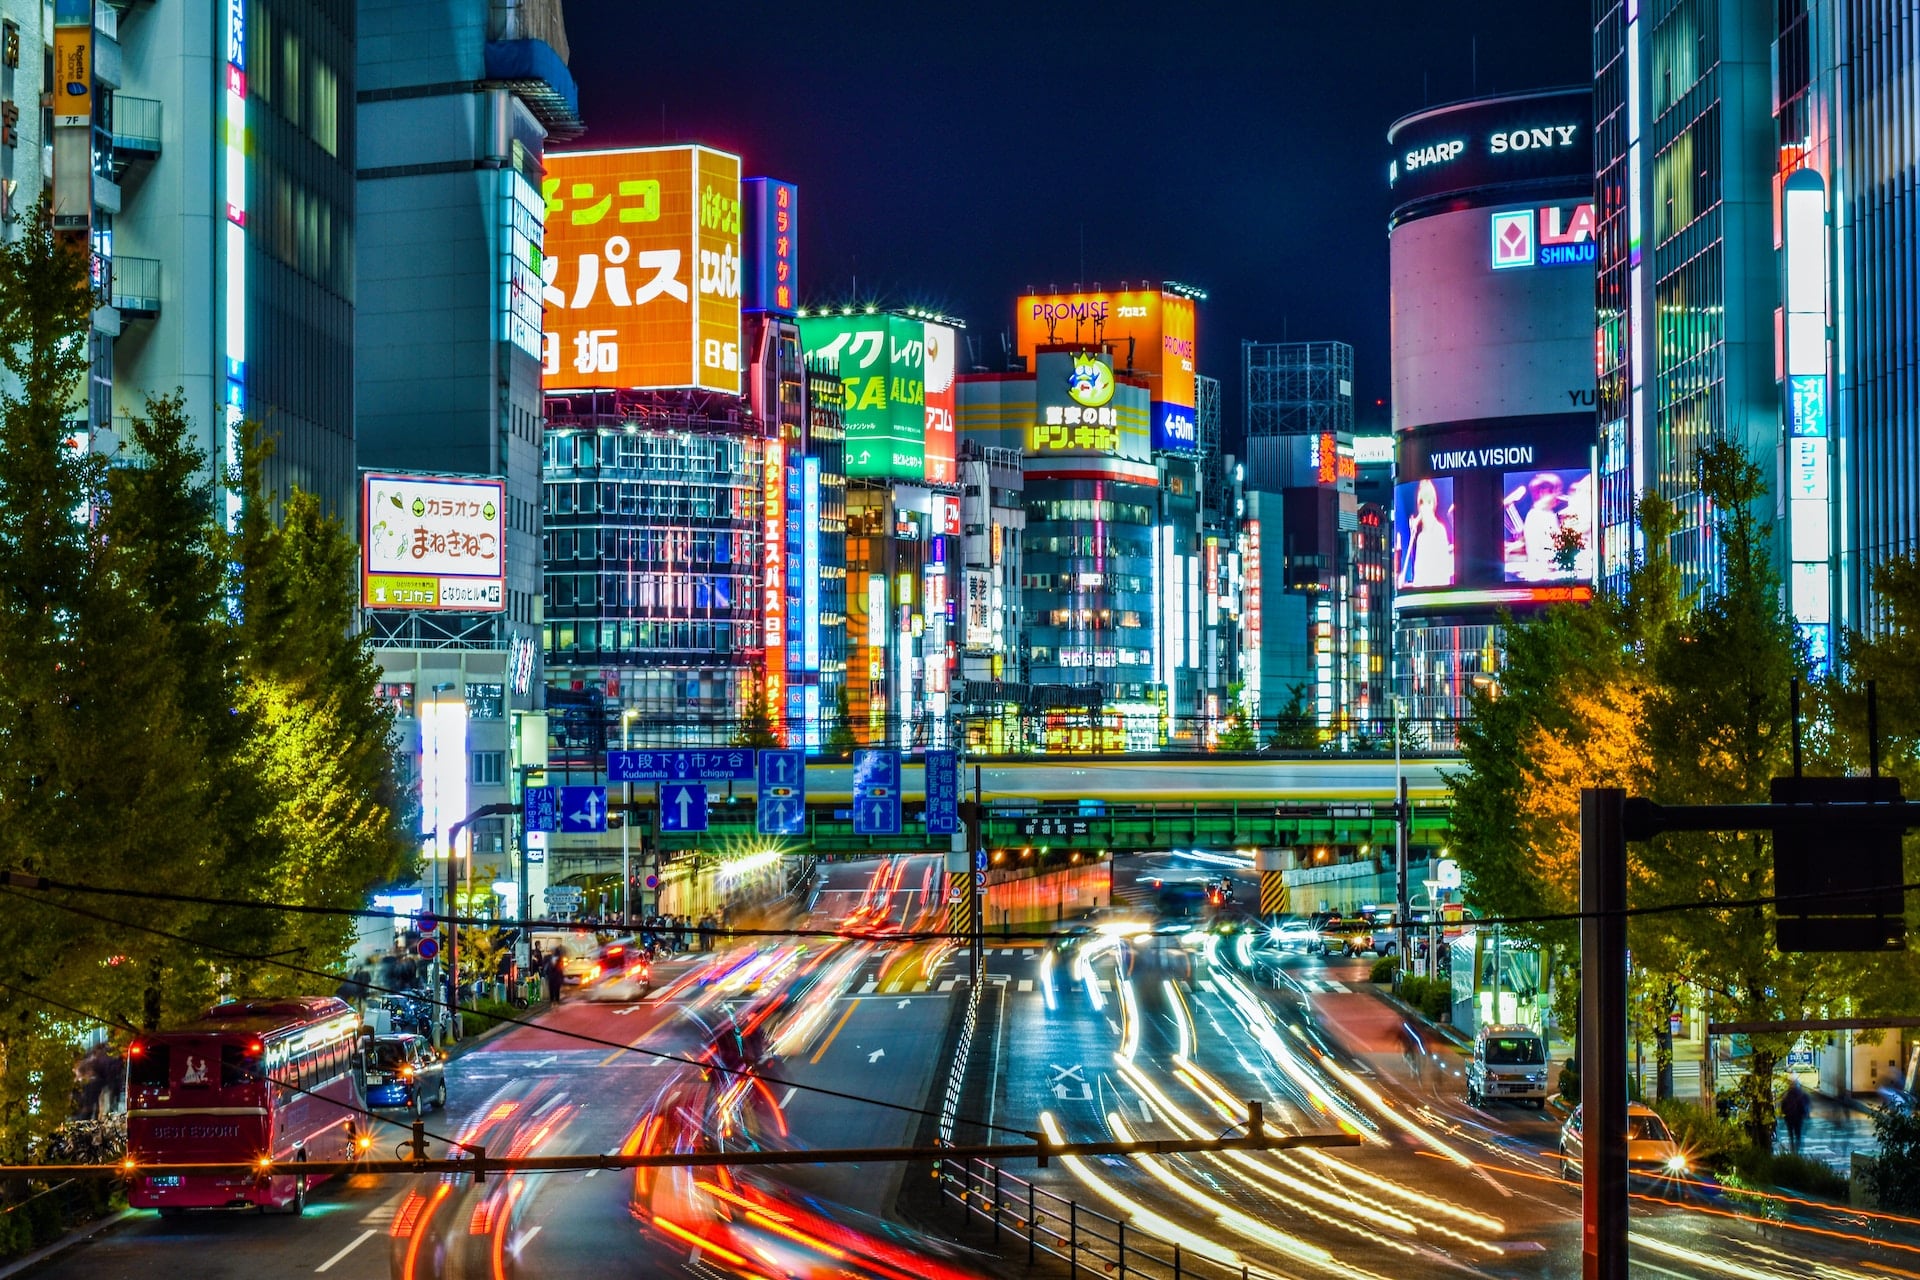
(951, 155)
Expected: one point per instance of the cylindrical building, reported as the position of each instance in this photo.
(1492, 251)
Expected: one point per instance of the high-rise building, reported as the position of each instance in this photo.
(1491, 249)
(1756, 276)
(458, 102)
(207, 159)
(903, 524)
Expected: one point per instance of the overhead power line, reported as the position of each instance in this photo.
(31, 881)
(479, 1166)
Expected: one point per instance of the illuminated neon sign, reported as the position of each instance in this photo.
(773, 537)
(1547, 236)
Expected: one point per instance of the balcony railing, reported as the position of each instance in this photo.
(136, 288)
(136, 129)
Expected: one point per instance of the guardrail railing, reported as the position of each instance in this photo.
(1018, 1211)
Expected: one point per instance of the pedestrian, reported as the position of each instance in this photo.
(706, 933)
(1794, 1106)
(554, 976)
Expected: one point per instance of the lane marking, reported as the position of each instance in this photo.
(946, 984)
(821, 1052)
(358, 1240)
(787, 1097)
(1026, 984)
(869, 987)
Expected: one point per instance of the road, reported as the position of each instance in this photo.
(1115, 1037)
(1159, 1037)
(856, 1025)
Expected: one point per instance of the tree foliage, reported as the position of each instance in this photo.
(181, 706)
(1294, 728)
(1237, 736)
(1685, 701)
(756, 719)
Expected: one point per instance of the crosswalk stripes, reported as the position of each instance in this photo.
(947, 984)
(1323, 985)
(1026, 984)
(870, 987)
(1104, 985)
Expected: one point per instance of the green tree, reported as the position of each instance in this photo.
(1567, 712)
(841, 741)
(325, 822)
(1294, 728)
(1717, 732)
(756, 719)
(1237, 737)
(105, 777)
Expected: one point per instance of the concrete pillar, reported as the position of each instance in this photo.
(1272, 864)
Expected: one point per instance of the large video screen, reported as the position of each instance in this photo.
(1493, 515)
(1423, 554)
(1548, 518)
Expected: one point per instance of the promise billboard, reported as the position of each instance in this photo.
(641, 270)
(433, 542)
(1152, 329)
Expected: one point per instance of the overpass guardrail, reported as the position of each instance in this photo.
(1137, 828)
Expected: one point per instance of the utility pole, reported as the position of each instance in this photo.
(976, 846)
(626, 820)
(1603, 1028)
(1402, 831)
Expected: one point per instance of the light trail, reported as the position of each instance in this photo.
(1138, 1214)
(1237, 1221)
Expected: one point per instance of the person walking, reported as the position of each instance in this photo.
(555, 977)
(1794, 1106)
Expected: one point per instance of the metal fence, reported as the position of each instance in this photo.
(1019, 1212)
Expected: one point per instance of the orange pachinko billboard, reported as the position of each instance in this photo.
(641, 269)
(1152, 329)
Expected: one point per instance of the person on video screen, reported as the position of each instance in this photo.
(1429, 558)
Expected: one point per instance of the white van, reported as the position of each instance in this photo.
(1509, 1065)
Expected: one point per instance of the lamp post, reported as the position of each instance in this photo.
(626, 819)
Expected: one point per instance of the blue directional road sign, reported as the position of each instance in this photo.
(683, 806)
(539, 810)
(716, 764)
(943, 793)
(876, 792)
(781, 787)
(583, 808)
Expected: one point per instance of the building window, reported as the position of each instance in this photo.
(489, 768)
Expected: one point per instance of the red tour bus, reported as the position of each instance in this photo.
(250, 1079)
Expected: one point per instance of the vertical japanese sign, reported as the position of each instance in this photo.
(640, 269)
(940, 403)
(717, 304)
(773, 239)
(943, 793)
(73, 117)
(810, 554)
(773, 570)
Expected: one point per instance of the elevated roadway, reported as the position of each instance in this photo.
(1132, 778)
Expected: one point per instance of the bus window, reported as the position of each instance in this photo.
(236, 1069)
(152, 1066)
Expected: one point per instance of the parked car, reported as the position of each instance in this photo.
(1509, 1065)
(1652, 1152)
(406, 1073)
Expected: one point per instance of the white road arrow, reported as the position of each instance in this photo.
(876, 1055)
(903, 1004)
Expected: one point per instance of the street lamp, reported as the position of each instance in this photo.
(626, 820)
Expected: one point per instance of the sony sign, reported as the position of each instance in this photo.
(1555, 135)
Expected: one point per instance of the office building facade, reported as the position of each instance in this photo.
(207, 162)
(1757, 271)
(1491, 250)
